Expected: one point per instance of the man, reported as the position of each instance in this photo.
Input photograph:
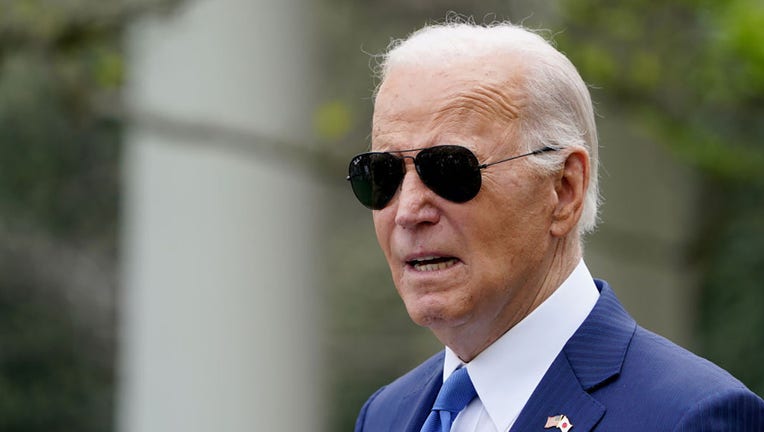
(482, 182)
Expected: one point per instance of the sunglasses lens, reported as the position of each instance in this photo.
(450, 171)
(375, 177)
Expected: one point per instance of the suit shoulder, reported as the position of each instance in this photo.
(732, 409)
(661, 384)
(672, 365)
(406, 397)
(413, 379)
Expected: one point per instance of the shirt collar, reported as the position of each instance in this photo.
(506, 373)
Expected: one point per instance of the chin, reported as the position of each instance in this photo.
(435, 316)
(434, 308)
(424, 315)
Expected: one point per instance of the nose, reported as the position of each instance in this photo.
(416, 203)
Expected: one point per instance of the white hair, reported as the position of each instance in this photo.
(558, 112)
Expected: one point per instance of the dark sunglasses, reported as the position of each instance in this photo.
(451, 171)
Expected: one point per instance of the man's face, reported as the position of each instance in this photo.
(472, 268)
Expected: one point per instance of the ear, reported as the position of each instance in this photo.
(570, 187)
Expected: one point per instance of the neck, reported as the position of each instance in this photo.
(470, 341)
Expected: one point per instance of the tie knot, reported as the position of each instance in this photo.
(456, 393)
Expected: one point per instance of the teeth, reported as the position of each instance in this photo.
(423, 265)
(428, 258)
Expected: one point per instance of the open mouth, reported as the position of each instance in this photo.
(425, 264)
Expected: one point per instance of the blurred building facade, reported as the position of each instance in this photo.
(219, 303)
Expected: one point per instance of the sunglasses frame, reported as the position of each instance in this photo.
(428, 182)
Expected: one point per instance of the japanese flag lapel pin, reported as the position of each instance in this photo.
(560, 422)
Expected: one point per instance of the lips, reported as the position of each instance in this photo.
(432, 263)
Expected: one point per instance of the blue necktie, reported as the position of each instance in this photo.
(455, 394)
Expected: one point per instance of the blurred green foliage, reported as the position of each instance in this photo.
(691, 71)
(57, 162)
(54, 374)
(60, 72)
(61, 69)
(332, 120)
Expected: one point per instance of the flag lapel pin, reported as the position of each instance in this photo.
(561, 422)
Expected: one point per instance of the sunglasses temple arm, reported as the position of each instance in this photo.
(533, 153)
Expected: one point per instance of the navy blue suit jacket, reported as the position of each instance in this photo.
(612, 375)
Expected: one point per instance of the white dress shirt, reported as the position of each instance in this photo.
(506, 373)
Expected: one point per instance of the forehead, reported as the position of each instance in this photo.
(430, 102)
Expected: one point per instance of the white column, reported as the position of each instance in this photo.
(219, 315)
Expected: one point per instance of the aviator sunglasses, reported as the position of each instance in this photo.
(451, 171)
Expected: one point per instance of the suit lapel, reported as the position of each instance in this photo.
(559, 392)
(592, 357)
(418, 403)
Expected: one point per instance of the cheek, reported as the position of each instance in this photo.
(520, 209)
(509, 231)
(493, 225)
(496, 249)
(383, 228)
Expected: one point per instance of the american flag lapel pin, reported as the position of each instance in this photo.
(561, 422)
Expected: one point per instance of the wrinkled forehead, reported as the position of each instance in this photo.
(438, 78)
(478, 92)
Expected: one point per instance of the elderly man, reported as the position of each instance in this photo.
(482, 182)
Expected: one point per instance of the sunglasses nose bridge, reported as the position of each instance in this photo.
(412, 178)
(409, 165)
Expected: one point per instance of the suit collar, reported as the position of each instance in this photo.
(421, 398)
(594, 355)
(597, 350)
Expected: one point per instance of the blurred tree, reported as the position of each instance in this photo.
(60, 75)
(692, 72)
